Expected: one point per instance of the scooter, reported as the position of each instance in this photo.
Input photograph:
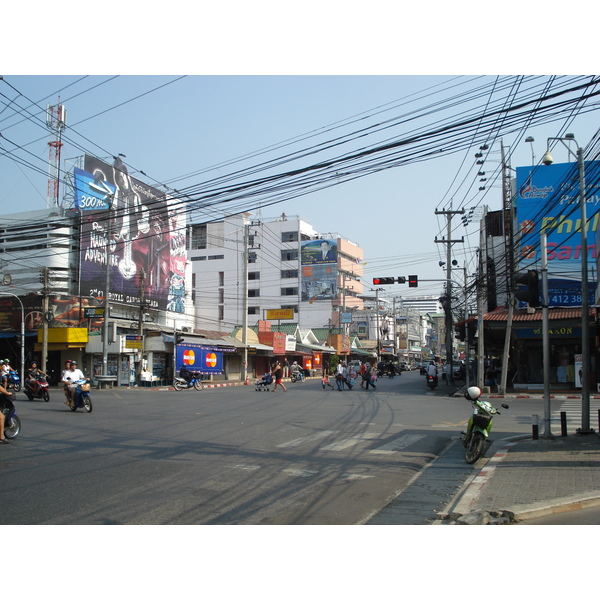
(479, 425)
(41, 390)
(181, 384)
(298, 375)
(13, 381)
(82, 395)
(431, 381)
(12, 423)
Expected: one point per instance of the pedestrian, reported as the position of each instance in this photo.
(325, 381)
(363, 366)
(367, 376)
(339, 376)
(277, 372)
(351, 374)
(286, 367)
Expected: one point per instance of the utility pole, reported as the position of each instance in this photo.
(141, 319)
(449, 241)
(45, 292)
(245, 305)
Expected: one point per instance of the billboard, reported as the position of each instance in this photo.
(134, 228)
(548, 200)
(200, 359)
(318, 260)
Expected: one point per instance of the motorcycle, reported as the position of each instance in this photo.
(82, 395)
(431, 382)
(41, 390)
(298, 375)
(12, 423)
(181, 384)
(479, 425)
(13, 381)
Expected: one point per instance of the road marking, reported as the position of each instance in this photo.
(353, 476)
(299, 473)
(399, 444)
(245, 467)
(351, 441)
(445, 424)
(305, 440)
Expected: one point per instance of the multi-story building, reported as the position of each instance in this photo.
(243, 267)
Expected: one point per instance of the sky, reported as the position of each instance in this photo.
(196, 100)
(242, 77)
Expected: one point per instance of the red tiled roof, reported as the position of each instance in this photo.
(523, 315)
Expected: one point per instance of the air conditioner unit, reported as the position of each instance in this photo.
(185, 329)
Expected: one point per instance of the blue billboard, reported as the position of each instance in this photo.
(548, 200)
(200, 359)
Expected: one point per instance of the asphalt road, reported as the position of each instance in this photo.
(232, 455)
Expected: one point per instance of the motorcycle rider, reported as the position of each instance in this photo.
(3, 393)
(432, 371)
(69, 376)
(296, 368)
(185, 374)
(33, 374)
(6, 369)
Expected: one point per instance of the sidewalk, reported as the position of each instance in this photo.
(532, 478)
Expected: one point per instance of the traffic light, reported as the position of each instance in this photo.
(383, 280)
(178, 338)
(413, 281)
(527, 288)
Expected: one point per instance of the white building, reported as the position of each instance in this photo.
(285, 270)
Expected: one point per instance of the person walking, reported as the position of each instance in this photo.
(277, 372)
(367, 376)
(363, 367)
(340, 376)
(286, 367)
(325, 381)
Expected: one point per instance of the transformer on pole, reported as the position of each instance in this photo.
(56, 121)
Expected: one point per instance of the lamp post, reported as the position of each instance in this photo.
(585, 334)
(22, 332)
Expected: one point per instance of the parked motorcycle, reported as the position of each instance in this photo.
(181, 384)
(14, 381)
(298, 375)
(479, 426)
(431, 382)
(12, 423)
(41, 390)
(82, 395)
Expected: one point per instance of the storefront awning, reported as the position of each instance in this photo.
(313, 348)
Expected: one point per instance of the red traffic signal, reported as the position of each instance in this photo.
(413, 281)
(383, 280)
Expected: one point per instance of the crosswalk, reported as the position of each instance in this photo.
(572, 407)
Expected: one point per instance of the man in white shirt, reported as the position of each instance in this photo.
(432, 370)
(71, 375)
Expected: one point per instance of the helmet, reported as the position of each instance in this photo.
(473, 393)
(73, 362)
(6, 360)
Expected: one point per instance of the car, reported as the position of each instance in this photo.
(403, 366)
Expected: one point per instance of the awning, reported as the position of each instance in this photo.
(313, 348)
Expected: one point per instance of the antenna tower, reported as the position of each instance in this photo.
(56, 121)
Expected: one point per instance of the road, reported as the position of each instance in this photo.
(236, 456)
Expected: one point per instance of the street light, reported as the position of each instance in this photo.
(22, 331)
(585, 343)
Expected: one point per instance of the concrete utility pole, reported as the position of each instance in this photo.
(449, 241)
(45, 294)
(245, 305)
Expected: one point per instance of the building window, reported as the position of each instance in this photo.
(289, 236)
(289, 255)
(290, 274)
(216, 257)
(251, 257)
(291, 291)
(294, 306)
(199, 237)
(253, 293)
(221, 296)
(221, 278)
(253, 275)
(221, 313)
(254, 310)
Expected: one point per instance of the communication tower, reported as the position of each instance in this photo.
(56, 121)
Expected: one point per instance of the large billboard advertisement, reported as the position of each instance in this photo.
(548, 200)
(200, 359)
(139, 229)
(318, 259)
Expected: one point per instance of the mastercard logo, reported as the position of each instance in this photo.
(189, 357)
(211, 359)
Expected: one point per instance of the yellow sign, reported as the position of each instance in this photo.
(276, 314)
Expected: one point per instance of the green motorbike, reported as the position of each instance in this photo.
(479, 426)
